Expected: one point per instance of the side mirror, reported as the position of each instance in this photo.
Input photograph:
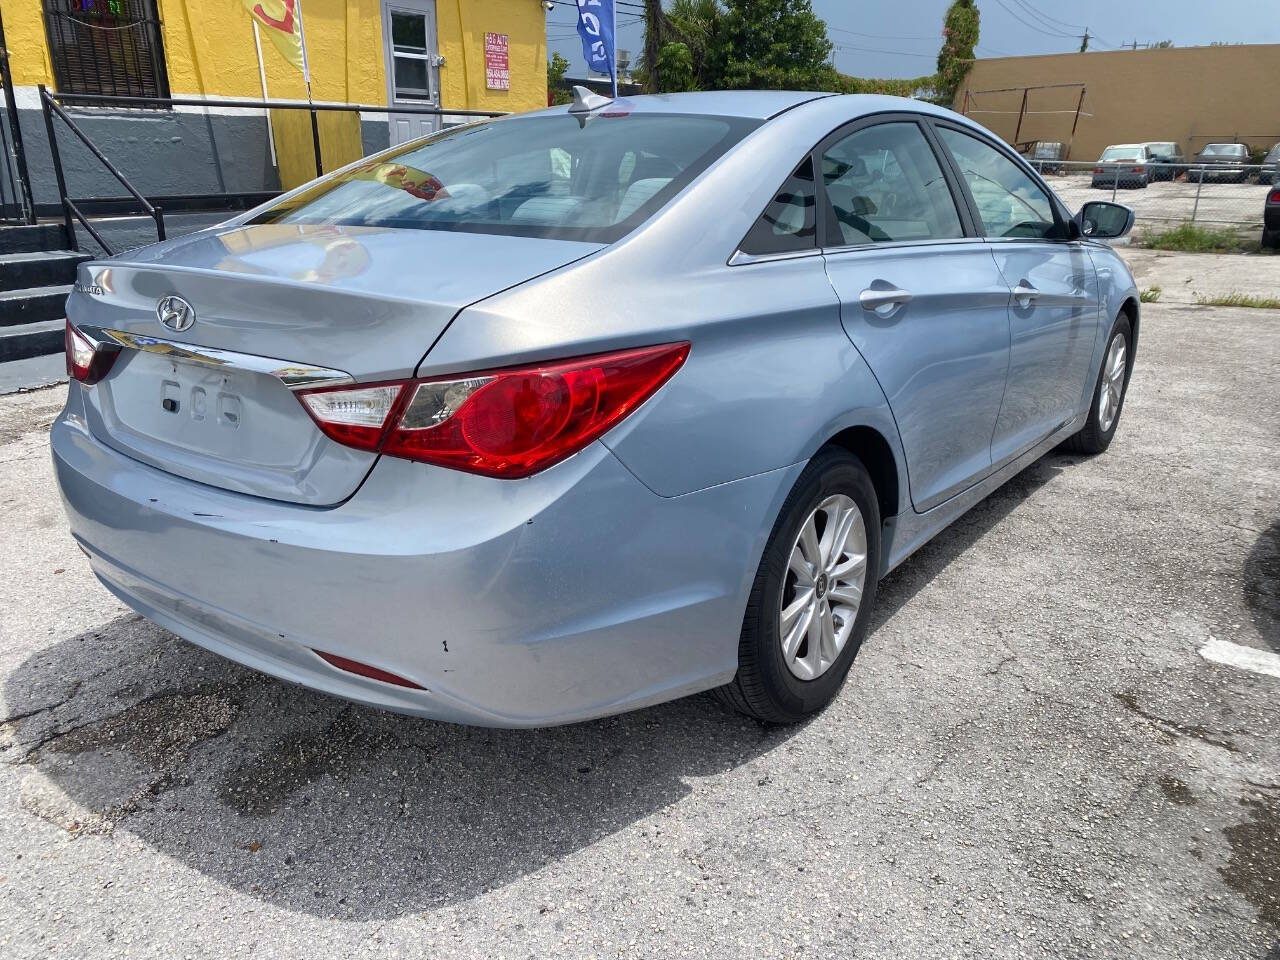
(1101, 220)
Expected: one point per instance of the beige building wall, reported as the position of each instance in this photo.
(1193, 95)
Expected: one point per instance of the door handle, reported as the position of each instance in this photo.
(883, 300)
(1024, 293)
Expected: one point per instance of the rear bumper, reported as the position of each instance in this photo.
(573, 594)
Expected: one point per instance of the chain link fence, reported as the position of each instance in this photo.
(1165, 195)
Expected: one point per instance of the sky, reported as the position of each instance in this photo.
(900, 38)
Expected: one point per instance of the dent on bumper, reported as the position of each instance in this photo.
(573, 594)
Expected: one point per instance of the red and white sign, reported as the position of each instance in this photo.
(497, 66)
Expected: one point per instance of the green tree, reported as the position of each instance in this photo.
(959, 37)
(556, 67)
(681, 43)
(774, 45)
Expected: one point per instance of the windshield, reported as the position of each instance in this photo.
(1122, 153)
(559, 176)
(1048, 151)
(1223, 150)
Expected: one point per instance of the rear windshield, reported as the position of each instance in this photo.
(1048, 151)
(1223, 150)
(1122, 153)
(559, 176)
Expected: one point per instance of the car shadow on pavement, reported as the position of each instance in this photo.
(935, 556)
(316, 805)
(1261, 585)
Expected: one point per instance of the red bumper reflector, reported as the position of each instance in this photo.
(364, 670)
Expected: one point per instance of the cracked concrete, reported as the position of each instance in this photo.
(1030, 758)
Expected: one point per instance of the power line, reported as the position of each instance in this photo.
(897, 53)
(1045, 16)
(1049, 23)
(1032, 26)
(878, 36)
(1056, 35)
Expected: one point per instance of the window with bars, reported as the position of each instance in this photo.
(107, 47)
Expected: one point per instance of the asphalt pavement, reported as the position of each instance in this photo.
(1032, 758)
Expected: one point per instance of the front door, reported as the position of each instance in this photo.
(413, 66)
(1054, 302)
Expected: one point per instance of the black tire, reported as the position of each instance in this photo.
(1092, 439)
(1271, 239)
(764, 687)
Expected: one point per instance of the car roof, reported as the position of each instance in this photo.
(1125, 146)
(752, 104)
(1223, 144)
(763, 104)
(1160, 143)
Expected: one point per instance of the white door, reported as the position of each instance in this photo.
(413, 66)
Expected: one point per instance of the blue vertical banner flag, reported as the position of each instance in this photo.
(596, 26)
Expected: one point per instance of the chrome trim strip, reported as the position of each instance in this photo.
(295, 376)
(739, 258)
(893, 244)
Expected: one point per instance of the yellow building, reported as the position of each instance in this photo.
(448, 54)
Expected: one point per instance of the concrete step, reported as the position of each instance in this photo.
(39, 236)
(39, 268)
(24, 340)
(32, 304)
(32, 373)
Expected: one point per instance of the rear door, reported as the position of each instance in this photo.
(920, 297)
(1053, 310)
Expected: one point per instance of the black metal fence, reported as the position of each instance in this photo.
(106, 47)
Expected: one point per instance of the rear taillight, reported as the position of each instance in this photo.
(1139, 169)
(87, 361)
(1097, 170)
(1274, 197)
(509, 423)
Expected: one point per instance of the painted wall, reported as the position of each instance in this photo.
(25, 38)
(461, 26)
(1188, 94)
(209, 50)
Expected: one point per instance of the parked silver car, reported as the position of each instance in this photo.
(1123, 165)
(562, 414)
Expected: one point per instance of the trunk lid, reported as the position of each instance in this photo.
(210, 402)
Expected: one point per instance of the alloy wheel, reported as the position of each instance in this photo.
(1112, 388)
(822, 589)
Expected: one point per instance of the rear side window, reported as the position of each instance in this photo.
(788, 223)
(1009, 202)
(883, 184)
(593, 178)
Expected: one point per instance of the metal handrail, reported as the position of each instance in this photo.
(50, 107)
(15, 133)
(106, 99)
(51, 104)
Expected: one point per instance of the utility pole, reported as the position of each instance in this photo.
(1084, 41)
(654, 21)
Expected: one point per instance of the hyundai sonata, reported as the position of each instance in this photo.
(562, 414)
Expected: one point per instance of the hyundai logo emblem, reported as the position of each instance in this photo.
(175, 313)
